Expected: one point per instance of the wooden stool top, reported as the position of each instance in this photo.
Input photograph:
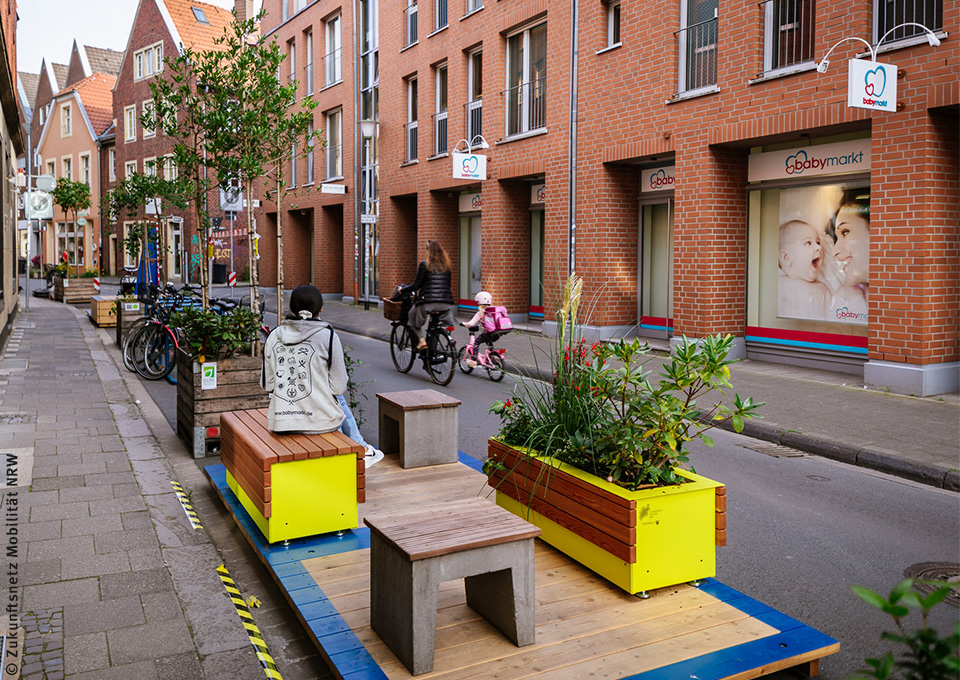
(412, 400)
(444, 528)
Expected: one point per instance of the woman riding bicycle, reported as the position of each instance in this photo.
(433, 284)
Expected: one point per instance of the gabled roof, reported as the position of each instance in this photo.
(96, 97)
(103, 60)
(194, 34)
(30, 83)
(61, 71)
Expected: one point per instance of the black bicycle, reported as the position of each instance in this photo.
(440, 355)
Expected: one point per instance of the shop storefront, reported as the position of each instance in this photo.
(808, 272)
(655, 265)
(470, 257)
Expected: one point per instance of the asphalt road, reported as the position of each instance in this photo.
(801, 529)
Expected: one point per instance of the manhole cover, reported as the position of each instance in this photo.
(774, 450)
(936, 571)
(17, 418)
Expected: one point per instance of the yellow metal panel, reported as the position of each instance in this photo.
(248, 505)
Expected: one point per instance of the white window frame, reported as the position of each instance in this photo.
(86, 169)
(441, 79)
(148, 105)
(292, 58)
(682, 75)
(129, 168)
(525, 113)
(308, 68)
(127, 260)
(169, 168)
(112, 164)
(66, 167)
(66, 120)
(309, 143)
(768, 42)
(472, 78)
(150, 166)
(333, 37)
(130, 123)
(413, 93)
(293, 165)
(148, 61)
(52, 168)
(614, 22)
(333, 160)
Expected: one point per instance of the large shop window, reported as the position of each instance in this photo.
(809, 263)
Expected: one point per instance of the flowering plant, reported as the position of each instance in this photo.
(605, 415)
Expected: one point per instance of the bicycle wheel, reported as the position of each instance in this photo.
(495, 366)
(401, 348)
(135, 349)
(462, 361)
(159, 353)
(441, 353)
(133, 330)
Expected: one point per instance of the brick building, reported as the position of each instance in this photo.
(723, 184)
(11, 146)
(160, 28)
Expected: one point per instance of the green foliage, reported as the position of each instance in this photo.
(89, 274)
(71, 196)
(207, 333)
(604, 415)
(924, 655)
(354, 395)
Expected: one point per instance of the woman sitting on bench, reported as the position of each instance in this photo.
(304, 369)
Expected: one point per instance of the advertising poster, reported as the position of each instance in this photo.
(823, 254)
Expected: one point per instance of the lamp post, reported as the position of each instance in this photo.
(365, 203)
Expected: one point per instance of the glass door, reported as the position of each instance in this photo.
(536, 264)
(656, 270)
(469, 275)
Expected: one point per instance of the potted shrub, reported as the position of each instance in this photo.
(223, 344)
(597, 459)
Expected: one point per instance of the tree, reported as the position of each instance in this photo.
(256, 124)
(72, 197)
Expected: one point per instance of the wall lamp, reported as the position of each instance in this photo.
(472, 144)
(932, 40)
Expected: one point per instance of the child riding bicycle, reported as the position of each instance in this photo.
(496, 323)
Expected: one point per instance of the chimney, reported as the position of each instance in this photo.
(244, 9)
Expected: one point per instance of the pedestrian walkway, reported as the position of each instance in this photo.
(115, 581)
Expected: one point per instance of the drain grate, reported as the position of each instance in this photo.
(17, 418)
(936, 571)
(774, 450)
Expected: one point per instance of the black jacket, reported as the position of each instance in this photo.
(433, 286)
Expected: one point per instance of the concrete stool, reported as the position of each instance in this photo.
(421, 425)
(413, 551)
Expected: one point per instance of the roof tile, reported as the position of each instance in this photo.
(198, 37)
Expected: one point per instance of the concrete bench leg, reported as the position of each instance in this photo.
(505, 598)
(391, 429)
(422, 437)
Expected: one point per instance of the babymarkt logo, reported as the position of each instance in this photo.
(874, 85)
(801, 161)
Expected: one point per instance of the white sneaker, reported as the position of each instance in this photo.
(372, 456)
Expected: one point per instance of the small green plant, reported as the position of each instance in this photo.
(924, 654)
(89, 274)
(210, 334)
(354, 395)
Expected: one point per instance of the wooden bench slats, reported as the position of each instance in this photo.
(269, 440)
(240, 424)
(419, 514)
(411, 400)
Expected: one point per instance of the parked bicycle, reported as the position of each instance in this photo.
(440, 353)
(482, 353)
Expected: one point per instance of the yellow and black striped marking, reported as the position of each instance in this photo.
(256, 639)
(187, 508)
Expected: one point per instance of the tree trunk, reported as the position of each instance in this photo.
(203, 237)
(253, 254)
(279, 253)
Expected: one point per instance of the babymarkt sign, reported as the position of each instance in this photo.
(872, 85)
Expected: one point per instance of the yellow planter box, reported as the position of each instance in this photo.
(313, 496)
(668, 537)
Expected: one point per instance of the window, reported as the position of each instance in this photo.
(200, 16)
(332, 67)
(150, 167)
(440, 117)
(334, 151)
(284, 12)
(293, 165)
(66, 165)
(112, 163)
(369, 60)
(410, 129)
(130, 124)
(66, 120)
(788, 38)
(474, 5)
(474, 106)
(439, 14)
(527, 80)
(149, 129)
(129, 168)
(43, 114)
(52, 168)
(308, 69)
(292, 59)
(698, 44)
(85, 168)
(309, 145)
(891, 13)
(613, 23)
(128, 260)
(410, 23)
(71, 242)
(301, 4)
(148, 61)
(169, 168)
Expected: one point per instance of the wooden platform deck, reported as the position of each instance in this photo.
(586, 627)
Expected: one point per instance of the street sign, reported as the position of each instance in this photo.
(46, 183)
(232, 279)
(333, 189)
(368, 219)
(469, 166)
(39, 206)
(217, 221)
(231, 198)
(81, 221)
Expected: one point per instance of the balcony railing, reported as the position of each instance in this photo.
(473, 114)
(410, 142)
(333, 161)
(473, 5)
(698, 55)
(332, 67)
(308, 78)
(526, 106)
(439, 14)
(409, 25)
(790, 30)
(892, 13)
(440, 133)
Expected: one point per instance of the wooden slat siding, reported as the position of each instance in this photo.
(622, 510)
(265, 455)
(412, 400)
(261, 438)
(247, 464)
(721, 529)
(445, 528)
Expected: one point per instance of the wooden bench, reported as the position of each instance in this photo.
(420, 425)
(413, 551)
(293, 485)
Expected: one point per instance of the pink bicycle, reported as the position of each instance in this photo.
(482, 353)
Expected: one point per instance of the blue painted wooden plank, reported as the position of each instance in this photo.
(354, 660)
(304, 596)
(372, 673)
(339, 642)
(297, 581)
(779, 620)
(289, 569)
(719, 590)
(318, 609)
(326, 625)
(470, 461)
(740, 658)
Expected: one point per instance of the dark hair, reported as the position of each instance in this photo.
(437, 258)
(307, 298)
(857, 201)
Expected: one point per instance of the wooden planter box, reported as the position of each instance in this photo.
(73, 290)
(198, 410)
(103, 310)
(128, 313)
(639, 540)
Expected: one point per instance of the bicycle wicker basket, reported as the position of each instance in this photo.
(392, 311)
